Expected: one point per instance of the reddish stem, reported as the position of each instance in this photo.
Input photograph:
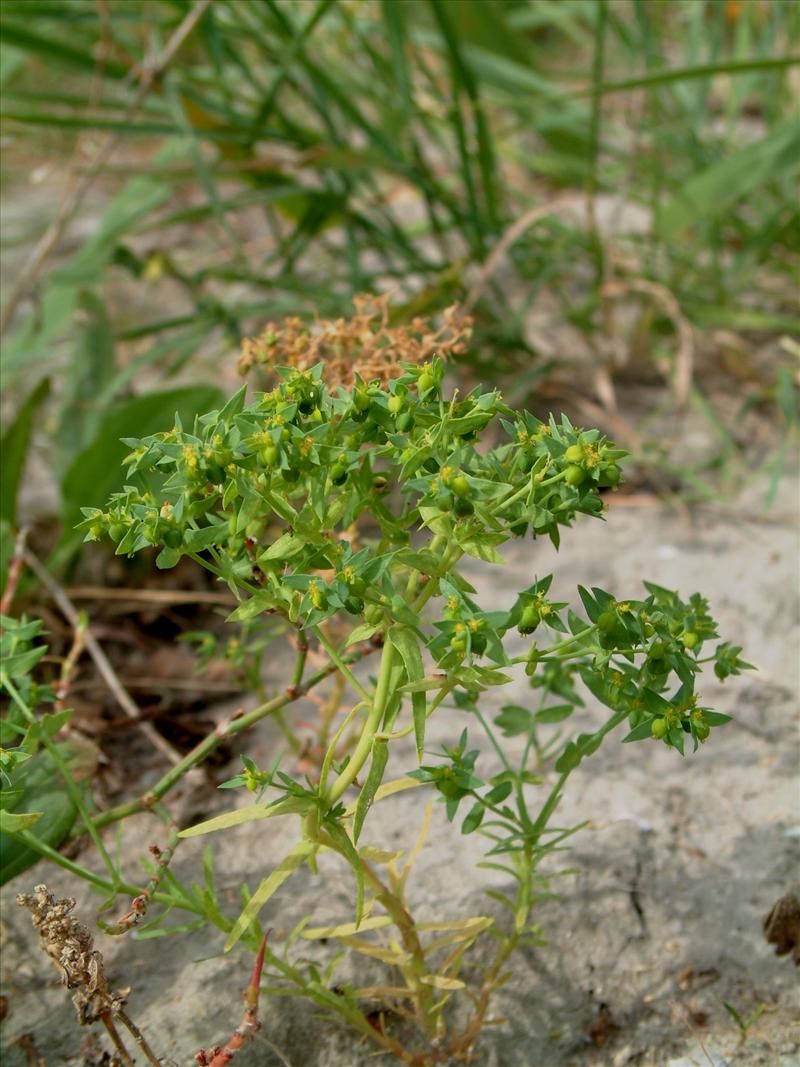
(220, 1057)
(14, 572)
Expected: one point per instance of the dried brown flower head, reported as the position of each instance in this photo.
(365, 344)
(71, 948)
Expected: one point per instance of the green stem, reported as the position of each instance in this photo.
(551, 803)
(208, 744)
(495, 744)
(340, 664)
(114, 888)
(364, 746)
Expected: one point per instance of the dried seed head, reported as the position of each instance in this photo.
(71, 948)
(365, 344)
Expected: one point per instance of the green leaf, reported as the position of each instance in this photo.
(22, 663)
(716, 718)
(712, 193)
(407, 645)
(557, 713)
(268, 887)
(10, 822)
(569, 758)
(90, 370)
(252, 813)
(167, 558)
(340, 836)
(287, 546)
(14, 450)
(473, 818)
(514, 720)
(380, 756)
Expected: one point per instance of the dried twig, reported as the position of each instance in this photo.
(509, 238)
(140, 903)
(684, 355)
(71, 948)
(14, 571)
(102, 663)
(76, 192)
(151, 596)
(68, 665)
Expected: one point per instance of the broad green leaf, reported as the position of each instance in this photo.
(88, 373)
(14, 450)
(10, 821)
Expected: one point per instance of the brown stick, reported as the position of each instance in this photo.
(74, 196)
(150, 596)
(119, 1044)
(102, 663)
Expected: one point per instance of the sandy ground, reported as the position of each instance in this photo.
(662, 921)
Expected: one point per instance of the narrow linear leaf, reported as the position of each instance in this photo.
(407, 645)
(270, 885)
(380, 756)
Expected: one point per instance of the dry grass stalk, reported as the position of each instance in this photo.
(365, 344)
(71, 948)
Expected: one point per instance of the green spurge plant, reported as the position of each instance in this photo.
(346, 513)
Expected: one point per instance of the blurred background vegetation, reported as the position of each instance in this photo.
(608, 186)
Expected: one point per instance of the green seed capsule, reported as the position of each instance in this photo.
(405, 421)
(173, 538)
(607, 622)
(339, 474)
(425, 382)
(574, 475)
(269, 455)
(701, 730)
(396, 404)
(529, 619)
(290, 475)
(478, 644)
(460, 485)
(463, 507)
(574, 454)
(659, 728)
(354, 605)
(690, 639)
(117, 531)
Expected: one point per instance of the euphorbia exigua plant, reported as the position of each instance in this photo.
(348, 513)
